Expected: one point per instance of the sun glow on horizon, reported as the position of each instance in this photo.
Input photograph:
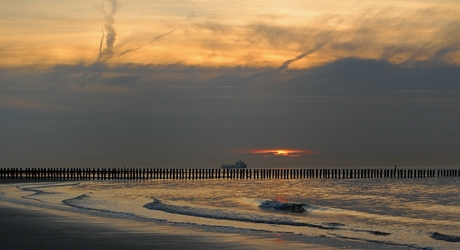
(281, 152)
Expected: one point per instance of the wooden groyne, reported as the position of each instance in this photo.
(196, 174)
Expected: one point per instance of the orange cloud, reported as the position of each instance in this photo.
(281, 152)
(300, 36)
(25, 104)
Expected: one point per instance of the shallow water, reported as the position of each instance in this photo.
(388, 213)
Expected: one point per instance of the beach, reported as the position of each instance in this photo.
(230, 214)
(230, 124)
(33, 228)
(29, 227)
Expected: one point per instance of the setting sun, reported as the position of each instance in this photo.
(281, 152)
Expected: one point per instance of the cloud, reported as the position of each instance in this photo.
(151, 41)
(395, 35)
(401, 34)
(111, 34)
(354, 111)
(21, 103)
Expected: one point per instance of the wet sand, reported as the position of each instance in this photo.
(32, 227)
(23, 227)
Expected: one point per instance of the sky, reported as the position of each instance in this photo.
(139, 83)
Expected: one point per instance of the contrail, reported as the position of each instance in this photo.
(287, 62)
(153, 40)
(100, 45)
(304, 54)
(320, 39)
(111, 35)
(160, 36)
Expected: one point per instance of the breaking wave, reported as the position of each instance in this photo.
(288, 206)
(445, 237)
(223, 214)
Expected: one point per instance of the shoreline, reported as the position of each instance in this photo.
(31, 227)
(23, 227)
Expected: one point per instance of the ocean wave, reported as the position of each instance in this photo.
(387, 243)
(287, 206)
(37, 191)
(76, 201)
(85, 203)
(222, 214)
(445, 237)
(280, 205)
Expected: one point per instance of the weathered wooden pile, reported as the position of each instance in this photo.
(196, 174)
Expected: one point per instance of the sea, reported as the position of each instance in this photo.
(380, 213)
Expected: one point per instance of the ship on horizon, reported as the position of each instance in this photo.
(237, 165)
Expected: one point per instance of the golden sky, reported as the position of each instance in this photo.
(117, 83)
(300, 34)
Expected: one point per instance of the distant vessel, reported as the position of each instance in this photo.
(238, 164)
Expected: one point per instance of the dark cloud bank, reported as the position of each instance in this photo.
(355, 112)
